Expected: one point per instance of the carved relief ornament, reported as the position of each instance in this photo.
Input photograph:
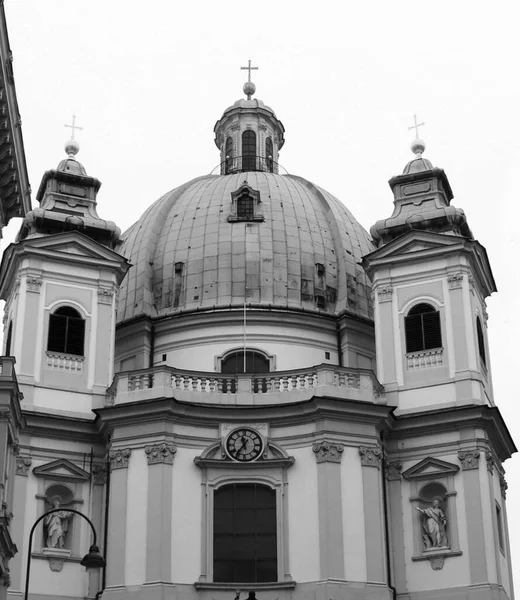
(490, 461)
(455, 281)
(393, 470)
(384, 294)
(99, 474)
(119, 458)
(503, 486)
(34, 284)
(328, 452)
(469, 459)
(23, 463)
(371, 456)
(160, 454)
(105, 296)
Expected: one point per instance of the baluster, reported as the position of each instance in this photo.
(220, 384)
(285, 384)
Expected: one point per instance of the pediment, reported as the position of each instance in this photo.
(72, 243)
(415, 241)
(61, 470)
(431, 468)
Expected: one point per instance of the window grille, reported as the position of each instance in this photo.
(480, 339)
(9, 339)
(244, 534)
(229, 155)
(422, 328)
(245, 207)
(269, 154)
(249, 150)
(255, 363)
(66, 331)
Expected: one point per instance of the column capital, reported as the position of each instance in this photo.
(160, 454)
(328, 452)
(119, 458)
(371, 456)
(469, 459)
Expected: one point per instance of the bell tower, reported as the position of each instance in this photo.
(445, 485)
(60, 281)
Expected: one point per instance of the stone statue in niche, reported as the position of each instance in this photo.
(57, 525)
(433, 523)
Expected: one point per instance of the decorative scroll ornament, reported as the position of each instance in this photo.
(6, 576)
(455, 281)
(105, 296)
(160, 454)
(5, 414)
(371, 456)
(490, 461)
(503, 486)
(393, 470)
(99, 474)
(23, 463)
(119, 458)
(384, 294)
(328, 452)
(469, 459)
(34, 284)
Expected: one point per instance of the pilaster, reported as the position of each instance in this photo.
(330, 514)
(158, 531)
(117, 522)
(371, 457)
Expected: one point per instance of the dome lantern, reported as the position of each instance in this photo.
(249, 135)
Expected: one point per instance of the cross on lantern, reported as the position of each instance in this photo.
(249, 68)
(73, 126)
(416, 127)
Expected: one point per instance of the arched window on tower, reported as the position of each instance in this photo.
(66, 331)
(422, 328)
(244, 534)
(249, 150)
(480, 340)
(9, 339)
(269, 154)
(229, 155)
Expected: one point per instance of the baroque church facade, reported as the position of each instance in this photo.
(248, 392)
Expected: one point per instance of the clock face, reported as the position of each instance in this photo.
(244, 444)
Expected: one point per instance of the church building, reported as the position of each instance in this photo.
(249, 395)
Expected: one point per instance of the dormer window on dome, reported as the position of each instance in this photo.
(245, 205)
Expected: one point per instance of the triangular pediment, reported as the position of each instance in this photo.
(430, 468)
(72, 242)
(415, 241)
(61, 470)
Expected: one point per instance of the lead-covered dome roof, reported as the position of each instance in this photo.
(301, 249)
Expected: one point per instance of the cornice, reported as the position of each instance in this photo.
(64, 427)
(456, 418)
(376, 415)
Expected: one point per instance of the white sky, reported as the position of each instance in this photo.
(148, 80)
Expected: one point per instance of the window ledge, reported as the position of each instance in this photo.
(275, 585)
(441, 552)
(253, 219)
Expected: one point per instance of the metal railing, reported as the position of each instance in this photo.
(241, 164)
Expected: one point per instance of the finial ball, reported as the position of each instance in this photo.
(249, 89)
(418, 146)
(72, 147)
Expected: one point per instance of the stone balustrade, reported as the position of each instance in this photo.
(270, 388)
(64, 362)
(426, 359)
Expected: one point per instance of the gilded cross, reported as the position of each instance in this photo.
(73, 126)
(249, 68)
(416, 127)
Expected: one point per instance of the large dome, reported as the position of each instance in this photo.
(301, 251)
